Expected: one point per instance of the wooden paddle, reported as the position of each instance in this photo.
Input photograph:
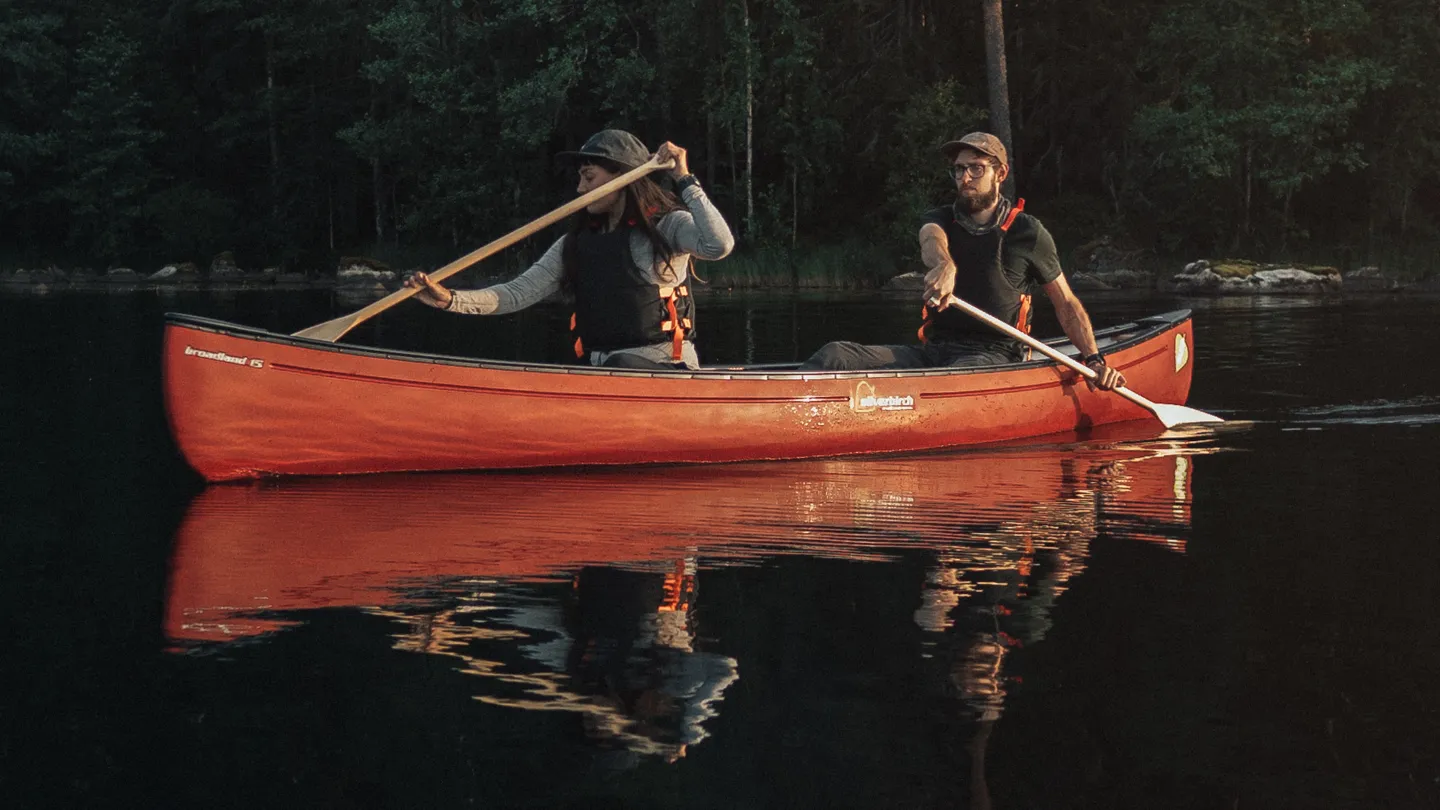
(1170, 415)
(333, 330)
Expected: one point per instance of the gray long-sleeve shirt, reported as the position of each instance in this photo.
(698, 231)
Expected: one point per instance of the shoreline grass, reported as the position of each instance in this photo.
(854, 264)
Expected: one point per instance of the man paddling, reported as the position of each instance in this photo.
(984, 250)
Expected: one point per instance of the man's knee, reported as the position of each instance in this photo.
(840, 355)
(629, 360)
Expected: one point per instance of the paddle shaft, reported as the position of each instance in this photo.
(1047, 350)
(333, 330)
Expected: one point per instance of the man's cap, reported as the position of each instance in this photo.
(982, 142)
(610, 144)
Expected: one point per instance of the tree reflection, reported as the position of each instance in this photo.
(994, 593)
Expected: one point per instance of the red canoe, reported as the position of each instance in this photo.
(245, 403)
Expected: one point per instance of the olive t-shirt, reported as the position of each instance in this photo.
(1029, 257)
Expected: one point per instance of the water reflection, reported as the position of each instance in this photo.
(578, 591)
(620, 652)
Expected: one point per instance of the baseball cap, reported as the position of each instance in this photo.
(982, 142)
(611, 144)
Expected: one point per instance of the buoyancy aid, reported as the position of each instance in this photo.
(617, 306)
(979, 279)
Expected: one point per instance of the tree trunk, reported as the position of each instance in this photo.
(794, 221)
(1018, 111)
(273, 127)
(998, 85)
(377, 190)
(710, 149)
(1053, 75)
(734, 158)
(1059, 171)
(377, 187)
(1249, 197)
(749, 125)
(1285, 224)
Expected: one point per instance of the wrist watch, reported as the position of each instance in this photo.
(685, 181)
(1090, 358)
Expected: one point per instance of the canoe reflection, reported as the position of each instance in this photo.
(454, 561)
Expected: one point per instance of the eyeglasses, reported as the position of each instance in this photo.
(973, 170)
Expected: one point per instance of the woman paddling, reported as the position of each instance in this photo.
(625, 261)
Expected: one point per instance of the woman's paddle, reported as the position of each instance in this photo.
(333, 330)
(1170, 415)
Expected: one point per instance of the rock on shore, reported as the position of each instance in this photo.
(1241, 277)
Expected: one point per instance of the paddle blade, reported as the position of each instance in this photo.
(330, 331)
(1172, 415)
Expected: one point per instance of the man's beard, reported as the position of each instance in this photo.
(975, 203)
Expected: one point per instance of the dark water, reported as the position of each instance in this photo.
(1243, 618)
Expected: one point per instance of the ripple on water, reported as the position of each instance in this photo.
(1411, 411)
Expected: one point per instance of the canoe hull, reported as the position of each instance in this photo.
(245, 403)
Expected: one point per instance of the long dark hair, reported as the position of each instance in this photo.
(645, 203)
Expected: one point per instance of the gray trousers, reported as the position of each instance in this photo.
(843, 355)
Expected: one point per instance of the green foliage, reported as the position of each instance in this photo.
(187, 219)
(1261, 97)
(429, 118)
(107, 177)
(853, 263)
(303, 130)
(916, 178)
(31, 66)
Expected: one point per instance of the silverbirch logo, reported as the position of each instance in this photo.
(864, 400)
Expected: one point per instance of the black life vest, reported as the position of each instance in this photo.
(616, 306)
(979, 279)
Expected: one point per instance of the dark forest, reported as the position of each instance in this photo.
(153, 131)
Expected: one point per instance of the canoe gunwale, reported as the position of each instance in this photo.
(1131, 333)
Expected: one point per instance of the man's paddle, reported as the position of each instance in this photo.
(1170, 415)
(333, 330)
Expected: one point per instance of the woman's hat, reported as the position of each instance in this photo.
(615, 145)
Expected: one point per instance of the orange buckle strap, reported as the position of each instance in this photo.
(579, 344)
(1010, 220)
(678, 339)
(678, 589)
(671, 588)
(1022, 322)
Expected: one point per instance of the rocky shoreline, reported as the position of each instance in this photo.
(223, 273)
(1226, 277)
(356, 274)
